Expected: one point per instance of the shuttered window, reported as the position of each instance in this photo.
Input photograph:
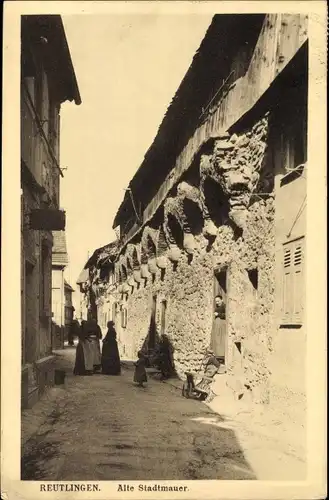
(114, 311)
(124, 318)
(293, 282)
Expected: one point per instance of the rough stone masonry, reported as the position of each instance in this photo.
(219, 222)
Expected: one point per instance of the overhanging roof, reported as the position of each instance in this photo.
(103, 255)
(68, 286)
(210, 64)
(59, 251)
(46, 33)
(83, 276)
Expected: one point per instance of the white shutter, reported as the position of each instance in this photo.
(287, 286)
(298, 283)
(293, 283)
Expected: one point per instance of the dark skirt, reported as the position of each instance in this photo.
(219, 337)
(110, 358)
(79, 368)
(140, 374)
(87, 357)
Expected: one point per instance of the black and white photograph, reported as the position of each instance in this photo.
(161, 325)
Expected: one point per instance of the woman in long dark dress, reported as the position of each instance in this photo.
(110, 352)
(88, 354)
(140, 372)
(219, 328)
(83, 356)
(165, 362)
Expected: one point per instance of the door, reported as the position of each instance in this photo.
(219, 327)
(163, 316)
(30, 314)
(152, 328)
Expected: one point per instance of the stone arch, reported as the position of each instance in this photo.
(118, 273)
(124, 273)
(151, 247)
(174, 230)
(216, 201)
(143, 256)
(162, 246)
(129, 266)
(132, 257)
(149, 242)
(162, 250)
(177, 226)
(194, 215)
(135, 260)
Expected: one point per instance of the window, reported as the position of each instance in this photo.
(45, 281)
(114, 311)
(124, 317)
(294, 134)
(293, 282)
(53, 126)
(68, 313)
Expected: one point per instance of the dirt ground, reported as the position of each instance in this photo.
(105, 428)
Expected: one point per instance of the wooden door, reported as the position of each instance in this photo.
(152, 328)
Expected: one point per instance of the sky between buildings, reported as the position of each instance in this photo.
(128, 69)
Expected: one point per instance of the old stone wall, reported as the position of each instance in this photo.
(222, 223)
(188, 289)
(220, 218)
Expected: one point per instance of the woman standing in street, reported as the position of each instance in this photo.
(110, 352)
(88, 354)
(140, 372)
(83, 356)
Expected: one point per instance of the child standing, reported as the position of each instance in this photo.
(140, 372)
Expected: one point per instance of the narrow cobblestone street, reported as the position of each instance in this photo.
(105, 428)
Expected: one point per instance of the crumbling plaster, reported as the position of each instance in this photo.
(186, 281)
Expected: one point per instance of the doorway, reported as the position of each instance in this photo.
(29, 313)
(163, 316)
(152, 327)
(219, 326)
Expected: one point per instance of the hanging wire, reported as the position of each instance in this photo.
(259, 195)
(216, 94)
(297, 216)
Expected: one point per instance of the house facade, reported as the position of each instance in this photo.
(47, 80)
(68, 308)
(83, 285)
(217, 207)
(59, 264)
(98, 288)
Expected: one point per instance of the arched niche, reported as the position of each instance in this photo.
(129, 266)
(135, 260)
(118, 274)
(216, 201)
(150, 247)
(162, 246)
(124, 272)
(174, 230)
(194, 216)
